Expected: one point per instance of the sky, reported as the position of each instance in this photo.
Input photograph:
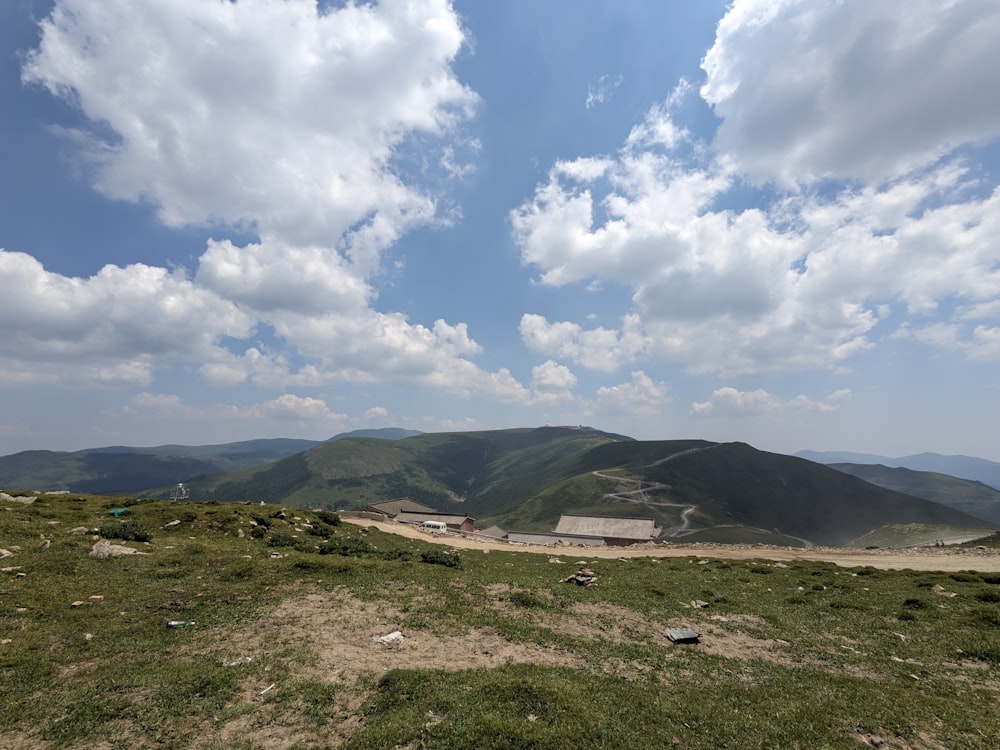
(768, 221)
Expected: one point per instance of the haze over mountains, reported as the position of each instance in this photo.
(964, 467)
(525, 479)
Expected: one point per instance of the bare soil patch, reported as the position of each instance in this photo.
(339, 630)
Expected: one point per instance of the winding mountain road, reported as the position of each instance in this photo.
(641, 490)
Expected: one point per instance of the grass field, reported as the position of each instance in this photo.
(497, 651)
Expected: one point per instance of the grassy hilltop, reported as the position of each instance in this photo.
(497, 651)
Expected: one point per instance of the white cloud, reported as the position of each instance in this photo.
(598, 348)
(601, 89)
(641, 396)
(729, 402)
(272, 275)
(288, 408)
(280, 118)
(552, 382)
(274, 114)
(800, 282)
(852, 89)
(113, 325)
(377, 412)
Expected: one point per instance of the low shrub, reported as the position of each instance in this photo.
(282, 540)
(450, 559)
(348, 547)
(129, 531)
(330, 519)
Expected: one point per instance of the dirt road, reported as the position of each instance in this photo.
(917, 558)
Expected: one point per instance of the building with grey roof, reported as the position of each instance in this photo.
(613, 530)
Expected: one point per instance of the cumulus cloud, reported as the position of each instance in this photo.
(597, 348)
(287, 408)
(288, 120)
(851, 89)
(279, 115)
(733, 279)
(641, 396)
(552, 382)
(729, 402)
(113, 325)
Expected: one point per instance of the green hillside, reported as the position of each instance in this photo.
(481, 473)
(966, 495)
(525, 479)
(119, 468)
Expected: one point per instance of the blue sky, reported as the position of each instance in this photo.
(772, 222)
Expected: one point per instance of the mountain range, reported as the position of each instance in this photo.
(522, 479)
(963, 467)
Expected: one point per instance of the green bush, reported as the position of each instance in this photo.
(330, 519)
(439, 557)
(129, 531)
(348, 547)
(282, 540)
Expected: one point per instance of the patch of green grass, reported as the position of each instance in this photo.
(861, 651)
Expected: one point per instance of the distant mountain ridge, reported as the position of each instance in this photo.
(975, 498)
(963, 467)
(127, 469)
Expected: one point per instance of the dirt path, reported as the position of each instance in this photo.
(918, 558)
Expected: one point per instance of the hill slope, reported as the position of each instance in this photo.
(974, 498)
(526, 478)
(964, 467)
(125, 469)
(477, 472)
(121, 468)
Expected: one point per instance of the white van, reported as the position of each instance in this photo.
(436, 526)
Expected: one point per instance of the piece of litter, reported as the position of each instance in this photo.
(95, 598)
(175, 522)
(389, 639)
(77, 604)
(268, 688)
(239, 662)
(699, 604)
(682, 635)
